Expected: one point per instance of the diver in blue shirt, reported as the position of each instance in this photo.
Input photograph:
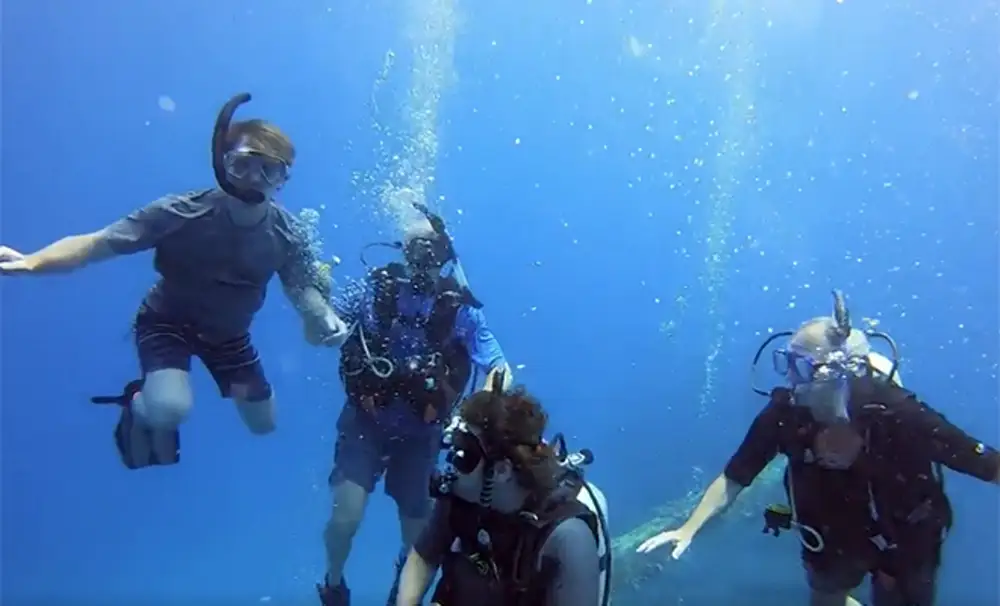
(419, 339)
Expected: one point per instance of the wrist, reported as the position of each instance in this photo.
(31, 262)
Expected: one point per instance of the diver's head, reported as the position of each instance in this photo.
(260, 156)
(497, 450)
(818, 341)
(819, 364)
(426, 252)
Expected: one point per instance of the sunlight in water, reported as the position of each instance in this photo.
(728, 37)
(408, 155)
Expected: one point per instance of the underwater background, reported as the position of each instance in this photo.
(641, 191)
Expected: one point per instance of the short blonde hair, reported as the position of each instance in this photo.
(264, 137)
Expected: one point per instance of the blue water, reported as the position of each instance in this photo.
(640, 191)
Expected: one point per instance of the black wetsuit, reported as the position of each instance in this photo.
(905, 443)
(568, 568)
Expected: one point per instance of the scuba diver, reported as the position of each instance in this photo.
(864, 480)
(215, 252)
(419, 340)
(515, 522)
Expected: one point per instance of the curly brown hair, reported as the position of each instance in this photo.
(513, 424)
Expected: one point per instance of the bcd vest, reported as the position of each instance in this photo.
(909, 508)
(511, 555)
(435, 378)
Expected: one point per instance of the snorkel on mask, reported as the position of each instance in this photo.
(426, 255)
(824, 374)
(222, 158)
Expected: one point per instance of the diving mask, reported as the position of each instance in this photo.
(425, 254)
(465, 449)
(822, 384)
(245, 164)
(801, 368)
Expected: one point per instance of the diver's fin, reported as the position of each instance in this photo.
(124, 400)
(141, 447)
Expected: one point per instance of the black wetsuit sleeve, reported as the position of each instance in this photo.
(572, 549)
(948, 445)
(436, 538)
(759, 447)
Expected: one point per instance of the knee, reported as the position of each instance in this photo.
(165, 401)
(258, 416)
(261, 427)
(348, 509)
(414, 506)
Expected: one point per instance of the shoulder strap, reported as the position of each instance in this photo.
(792, 441)
(441, 323)
(385, 281)
(560, 506)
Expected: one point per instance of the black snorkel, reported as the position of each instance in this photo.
(220, 147)
(842, 331)
(841, 319)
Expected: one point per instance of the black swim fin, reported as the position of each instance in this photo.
(124, 400)
(139, 446)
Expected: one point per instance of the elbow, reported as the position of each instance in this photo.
(727, 489)
(93, 248)
(731, 490)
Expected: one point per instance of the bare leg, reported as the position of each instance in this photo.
(258, 416)
(817, 598)
(162, 405)
(410, 529)
(349, 502)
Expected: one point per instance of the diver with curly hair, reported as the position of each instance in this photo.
(515, 522)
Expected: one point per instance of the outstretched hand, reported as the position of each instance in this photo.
(12, 262)
(680, 539)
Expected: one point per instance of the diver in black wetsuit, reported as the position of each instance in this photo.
(864, 477)
(515, 523)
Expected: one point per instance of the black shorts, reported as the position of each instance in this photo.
(162, 342)
(366, 451)
(916, 587)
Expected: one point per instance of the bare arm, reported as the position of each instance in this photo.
(429, 549)
(414, 580)
(759, 447)
(69, 254)
(141, 230)
(307, 300)
(720, 494)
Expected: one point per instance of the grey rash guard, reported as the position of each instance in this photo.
(213, 273)
(571, 547)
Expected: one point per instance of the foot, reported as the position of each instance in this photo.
(339, 595)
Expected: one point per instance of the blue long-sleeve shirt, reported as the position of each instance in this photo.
(357, 305)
